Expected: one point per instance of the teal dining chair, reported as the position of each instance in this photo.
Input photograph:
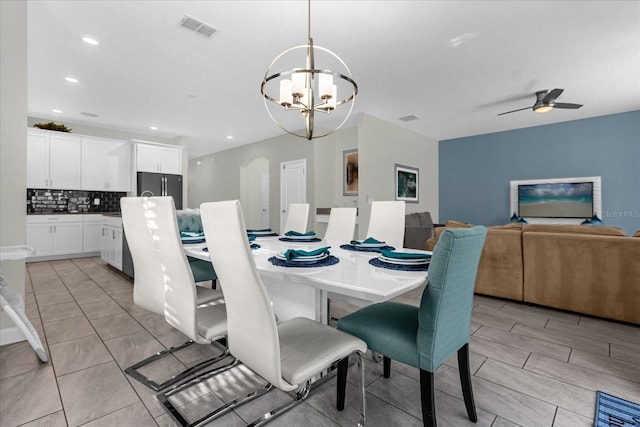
(425, 336)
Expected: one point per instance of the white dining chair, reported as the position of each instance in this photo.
(297, 218)
(386, 222)
(342, 224)
(287, 354)
(149, 281)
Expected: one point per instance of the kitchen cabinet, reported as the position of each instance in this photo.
(53, 160)
(92, 233)
(106, 164)
(52, 235)
(159, 158)
(111, 252)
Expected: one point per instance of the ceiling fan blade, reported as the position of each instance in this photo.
(565, 105)
(513, 111)
(552, 95)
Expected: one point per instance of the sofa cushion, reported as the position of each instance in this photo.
(418, 227)
(574, 229)
(636, 234)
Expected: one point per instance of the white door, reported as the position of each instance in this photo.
(293, 186)
(264, 185)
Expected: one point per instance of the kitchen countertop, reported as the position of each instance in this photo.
(75, 213)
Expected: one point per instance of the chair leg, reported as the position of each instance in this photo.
(427, 398)
(343, 367)
(363, 393)
(465, 381)
(386, 367)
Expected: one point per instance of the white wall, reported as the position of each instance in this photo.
(328, 173)
(380, 146)
(13, 147)
(251, 191)
(217, 177)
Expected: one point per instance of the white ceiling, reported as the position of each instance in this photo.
(453, 64)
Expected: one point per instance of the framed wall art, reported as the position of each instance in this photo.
(407, 180)
(350, 172)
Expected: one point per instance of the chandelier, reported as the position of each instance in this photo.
(308, 90)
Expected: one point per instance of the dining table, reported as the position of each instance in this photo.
(305, 290)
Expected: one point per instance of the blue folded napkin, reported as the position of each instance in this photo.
(252, 238)
(190, 234)
(298, 234)
(368, 240)
(262, 230)
(403, 255)
(295, 253)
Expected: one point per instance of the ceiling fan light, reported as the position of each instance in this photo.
(543, 108)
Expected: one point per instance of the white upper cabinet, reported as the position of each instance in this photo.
(106, 164)
(53, 160)
(159, 158)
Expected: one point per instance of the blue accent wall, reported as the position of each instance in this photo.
(475, 171)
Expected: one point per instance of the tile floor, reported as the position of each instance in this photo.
(532, 366)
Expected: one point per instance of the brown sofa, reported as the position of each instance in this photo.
(590, 270)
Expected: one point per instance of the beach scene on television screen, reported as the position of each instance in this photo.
(556, 200)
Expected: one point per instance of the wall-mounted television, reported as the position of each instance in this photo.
(556, 200)
(559, 200)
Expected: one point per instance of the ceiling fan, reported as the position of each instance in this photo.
(546, 101)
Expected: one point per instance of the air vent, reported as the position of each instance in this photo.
(408, 118)
(84, 113)
(198, 26)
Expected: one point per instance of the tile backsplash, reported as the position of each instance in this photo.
(72, 201)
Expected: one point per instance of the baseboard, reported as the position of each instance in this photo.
(11, 335)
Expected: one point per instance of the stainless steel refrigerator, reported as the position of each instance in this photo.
(158, 184)
(152, 184)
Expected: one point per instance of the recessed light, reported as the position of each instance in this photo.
(71, 80)
(55, 110)
(229, 136)
(153, 128)
(90, 40)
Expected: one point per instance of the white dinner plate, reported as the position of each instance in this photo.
(312, 258)
(370, 245)
(399, 261)
(190, 238)
(260, 233)
(300, 237)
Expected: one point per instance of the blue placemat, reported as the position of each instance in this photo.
(349, 247)
(377, 263)
(192, 242)
(330, 260)
(286, 239)
(614, 411)
(262, 235)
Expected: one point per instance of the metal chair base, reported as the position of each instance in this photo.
(163, 398)
(303, 393)
(300, 396)
(132, 370)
